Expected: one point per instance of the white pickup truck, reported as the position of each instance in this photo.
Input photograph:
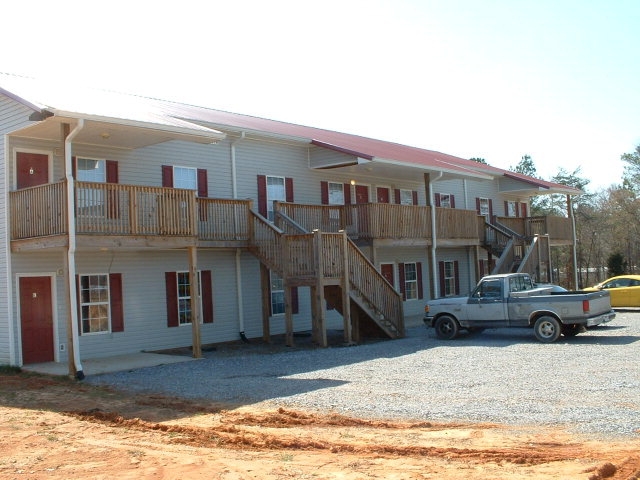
(513, 300)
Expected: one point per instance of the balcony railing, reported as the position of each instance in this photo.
(383, 220)
(558, 228)
(114, 209)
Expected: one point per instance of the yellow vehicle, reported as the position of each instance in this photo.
(624, 290)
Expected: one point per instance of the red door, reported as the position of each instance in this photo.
(32, 169)
(362, 194)
(36, 319)
(383, 195)
(386, 269)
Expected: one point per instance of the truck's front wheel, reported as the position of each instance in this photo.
(547, 329)
(446, 327)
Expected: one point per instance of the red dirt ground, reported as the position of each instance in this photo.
(57, 428)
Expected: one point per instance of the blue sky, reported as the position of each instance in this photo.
(497, 79)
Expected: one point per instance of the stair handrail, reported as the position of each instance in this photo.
(530, 259)
(283, 218)
(507, 231)
(377, 293)
(265, 238)
(507, 257)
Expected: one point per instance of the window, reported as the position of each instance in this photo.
(178, 290)
(449, 278)
(94, 303)
(277, 294)
(512, 210)
(91, 200)
(410, 281)
(91, 170)
(406, 197)
(336, 193)
(484, 208)
(275, 192)
(184, 297)
(184, 177)
(445, 200)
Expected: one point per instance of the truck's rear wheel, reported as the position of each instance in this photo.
(447, 327)
(547, 329)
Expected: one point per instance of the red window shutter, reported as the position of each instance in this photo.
(347, 194)
(207, 296)
(396, 196)
(324, 193)
(419, 274)
(74, 167)
(288, 189)
(262, 195)
(112, 171)
(436, 198)
(167, 176)
(478, 205)
(452, 199)
(295, 307)
(491, 210)
(443, 288)
(456, 274)
(414, 197)
(517, 209)
(113, 208)
(506, 208)
(402, 280)
(171, 284)
(524, 210)
(203, 185)
(117, 309)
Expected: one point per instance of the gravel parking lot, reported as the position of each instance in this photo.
(589, 383)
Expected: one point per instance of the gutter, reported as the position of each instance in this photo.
(75, 367)
(434, 241)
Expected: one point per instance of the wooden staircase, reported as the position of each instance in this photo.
(516, 253)
(335, 270)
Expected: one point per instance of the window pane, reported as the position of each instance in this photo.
(275, 192)
(91, 170)
(406, 197)
(94, 303)
(185, 178)
(336, 194)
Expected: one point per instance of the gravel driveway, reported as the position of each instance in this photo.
(589, 383)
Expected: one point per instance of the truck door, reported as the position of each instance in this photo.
(486, 304)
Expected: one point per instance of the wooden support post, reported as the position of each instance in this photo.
(320, 302)
(346, 290)
(196, 310)
(315, 330)
(265, 288)
(288, 316)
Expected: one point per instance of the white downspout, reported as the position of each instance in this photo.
(234, 190)
(71, 251)
(434, 269)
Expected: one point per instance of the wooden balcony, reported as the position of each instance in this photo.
(382, 222)
(114, 215)
(558, 228)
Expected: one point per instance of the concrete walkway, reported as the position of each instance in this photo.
(96, 366)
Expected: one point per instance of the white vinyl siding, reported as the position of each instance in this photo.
(12, 116)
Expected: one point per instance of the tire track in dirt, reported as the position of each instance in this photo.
(237, 430)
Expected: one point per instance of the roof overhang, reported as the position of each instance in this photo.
(117, 132)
